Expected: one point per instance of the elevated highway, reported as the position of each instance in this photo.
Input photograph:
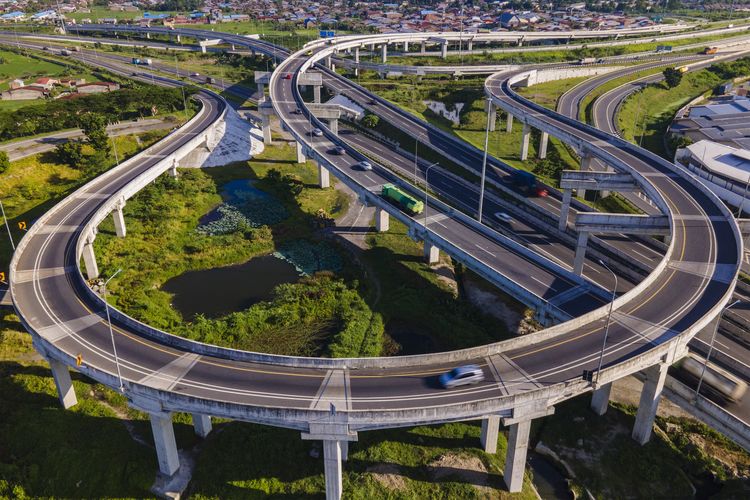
(333, 399)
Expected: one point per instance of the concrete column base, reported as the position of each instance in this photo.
(583, 240)
(261, 92)
(120, 229)
(444, 50)
(300, 154)
(490, 431)
(515, 458)
(525, 142)
(266, 126)
(65, 391)
(164, 441)
(316, 94)
(333, 470)
(509, 123)
(600, 399)
(562, 224)
(382, 220)
(324, 177)
(89, 260)
(431, 253)
(333, 125)
(492, 110)
(650, 396)
(202, 424)
(384, 53)
(543, 141)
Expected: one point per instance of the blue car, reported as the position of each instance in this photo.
(462, 375)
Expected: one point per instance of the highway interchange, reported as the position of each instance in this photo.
(44, 280)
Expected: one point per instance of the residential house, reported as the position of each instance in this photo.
(24, 93)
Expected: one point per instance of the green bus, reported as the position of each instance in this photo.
(403, 200)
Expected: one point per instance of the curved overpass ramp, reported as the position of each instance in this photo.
(333, 399)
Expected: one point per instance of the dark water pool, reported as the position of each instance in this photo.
(219, 291)
(548, 481)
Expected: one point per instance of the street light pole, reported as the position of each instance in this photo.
(606, 328)
(426, 187)
(711, 348)
(111, 334)
(484, 161)
(10, 236)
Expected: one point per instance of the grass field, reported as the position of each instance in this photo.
(647, 114)
(14, 65)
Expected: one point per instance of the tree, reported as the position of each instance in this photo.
(370, 120)
(672, 77)
(94, 126)
(4, 161)
(70, 153)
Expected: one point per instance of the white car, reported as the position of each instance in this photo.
(462, 375)
(364, 165)
(316, 132)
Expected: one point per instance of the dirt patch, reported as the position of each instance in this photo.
(388, 475)
(447, 277)
(466, 468)
(515, 321)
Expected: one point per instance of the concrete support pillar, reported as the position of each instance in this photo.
(148, 36)
(564, 209)
(490, 431)
(525, 142)
(233, 47)
(202, 424)
(422, 47)
(406, 46)
(332, 467)
(333, 126)
(492, 110)
(65, 391)
(382, 220)
(300, 153)
(444, 50)
(316, 94)
(585, 167)
(509, 124)
(431, 253)
(324, 177)
(344, 450)
(173, 170)
(203, 48)
(356, 60)
(179, 39)
(470, 45)
(266, 126)
(384, 53)
(650, 395)
(164, 441)
(515, 458)
(89, 260)
(119, 219)
(600, 399)
(261, 92)
(583, 240)
(543, 140)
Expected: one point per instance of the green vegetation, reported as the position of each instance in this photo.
(125, 104)
(33, 184)
(610, 464)
(662, 102)
(548, 93)
(672, 77)
(410, 92)
(26, 66)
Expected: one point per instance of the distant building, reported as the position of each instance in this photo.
(16, 84)
(725, 120)
(97, 87)
(47, 83)
(24, 93)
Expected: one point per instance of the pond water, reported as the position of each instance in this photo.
(219, 291)
(548, 481)
(243, 205)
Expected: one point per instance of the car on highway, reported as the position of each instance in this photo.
(542, 192)
(372, 102)
(503, 217)
(195, 73)
(461, 375)
(288, 76)
(338, 150)
(297, 111)
(316, 132)
(364, 165)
